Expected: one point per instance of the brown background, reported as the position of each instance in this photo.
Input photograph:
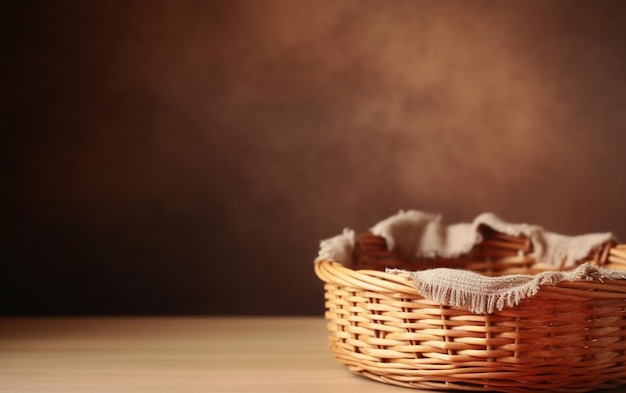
(185, 157)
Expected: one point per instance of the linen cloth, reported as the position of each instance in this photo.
(419, 234)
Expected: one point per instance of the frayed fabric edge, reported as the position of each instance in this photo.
(485, 295)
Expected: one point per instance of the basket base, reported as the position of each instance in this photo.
(433, 383)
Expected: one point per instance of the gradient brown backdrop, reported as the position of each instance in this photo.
(187, 156)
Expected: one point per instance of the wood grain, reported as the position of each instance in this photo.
(219, 355)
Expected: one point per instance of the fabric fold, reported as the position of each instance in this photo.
(423, 235)
(338, 248)
(484, 295)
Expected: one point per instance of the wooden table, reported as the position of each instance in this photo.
(217, 355)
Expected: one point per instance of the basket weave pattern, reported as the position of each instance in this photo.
(570, 337)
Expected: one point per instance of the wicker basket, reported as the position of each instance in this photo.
(569, 337)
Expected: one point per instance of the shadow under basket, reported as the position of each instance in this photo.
(569, 337)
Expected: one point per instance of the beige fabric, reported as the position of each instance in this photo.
(481, 294)
(338, 248)
(421, 234)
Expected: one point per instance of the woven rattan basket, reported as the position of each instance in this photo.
(569, 337)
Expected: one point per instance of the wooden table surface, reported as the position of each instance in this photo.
(174, 355)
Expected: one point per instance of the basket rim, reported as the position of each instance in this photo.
(406, 283)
